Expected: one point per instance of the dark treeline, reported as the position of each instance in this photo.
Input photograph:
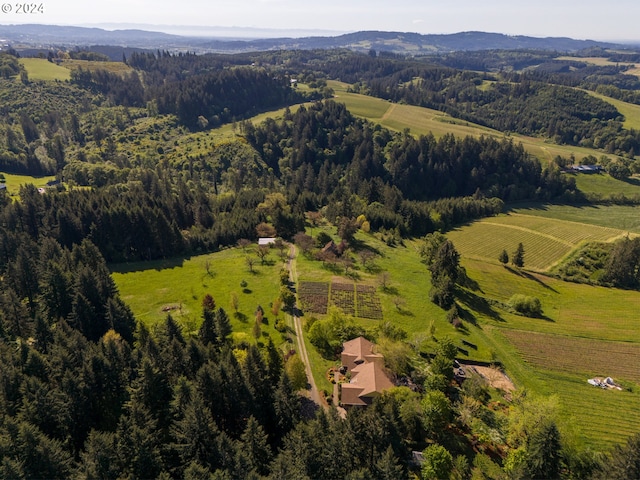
(532, 108)
(223, 96)
(173, 406)
(320, 156)
(206, 99)
(139, 220)
(126, 90)
(84, 393)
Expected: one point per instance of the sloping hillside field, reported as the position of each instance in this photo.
(546, 240)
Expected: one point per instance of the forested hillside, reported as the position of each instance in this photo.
(86, 391)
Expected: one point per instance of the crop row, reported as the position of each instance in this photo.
(486, 241)
(314, 296)
(342, 296)
(571, 232)
(356, 300)
(578, 355)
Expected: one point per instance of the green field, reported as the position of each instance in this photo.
(630, 111)
(605, 185)
(42, 69)
(421, 121)
(14, 182)
(621, 217)
(546, 240)
(154, 289)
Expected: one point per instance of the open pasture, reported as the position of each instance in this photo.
(630, 111)
(605, 62)
(578, 355)
(621, 217)
(545, 240)
(154, 289)
(42, 69)
(570, 309)
(605, 185)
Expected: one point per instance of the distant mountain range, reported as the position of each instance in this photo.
(47, 36)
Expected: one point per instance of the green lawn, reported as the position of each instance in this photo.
(42, 69)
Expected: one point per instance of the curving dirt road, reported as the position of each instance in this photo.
(297, 323)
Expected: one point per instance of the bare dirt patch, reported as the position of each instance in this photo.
(496, 378)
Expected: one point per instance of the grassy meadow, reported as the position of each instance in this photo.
(42, 69)
(154, 289)
(605, 185)
(585, 331)
(630, 111)
(113, 67)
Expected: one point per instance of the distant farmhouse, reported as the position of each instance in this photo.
(368, 378)
(586, 168)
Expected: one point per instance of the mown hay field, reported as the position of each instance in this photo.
(578, 355)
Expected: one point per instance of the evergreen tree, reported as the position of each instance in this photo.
(286, 404)
(195, 435)
(544, 452)
(255, 448)
(388, 468)
(517, 259)
(504, 257)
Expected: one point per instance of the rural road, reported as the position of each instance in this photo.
(302, 349)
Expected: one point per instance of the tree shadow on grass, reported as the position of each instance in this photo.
(142, 266)
(240, 317)
(478, 304)
(528, 276)
(390, 290)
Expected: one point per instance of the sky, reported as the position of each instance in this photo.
(614, 20)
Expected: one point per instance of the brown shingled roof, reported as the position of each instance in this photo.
(368, 378)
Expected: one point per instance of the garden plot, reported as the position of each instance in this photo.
(343, 297)
(357, 300)
(314, 296)
(368, 303)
